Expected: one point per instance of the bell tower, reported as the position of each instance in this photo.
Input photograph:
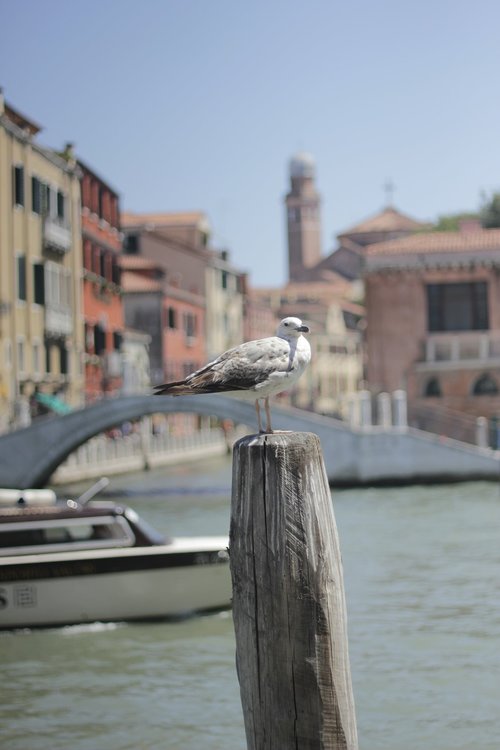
(303, 218)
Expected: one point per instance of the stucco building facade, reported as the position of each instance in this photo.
(102, 301)
(41, 331)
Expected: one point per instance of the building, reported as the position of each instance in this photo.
(41, 330)
(136, 366)
(306, 261)
(143, 306)
(303, 218)
(102, 302)
(226, 291)
(204, 294)
(335, 323)
(176, 245)
(433, 319)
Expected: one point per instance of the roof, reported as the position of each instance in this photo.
(438, 242)
(387, 220)
(136, 282)
(136, 262)
(21, 120)
(85, 167)
(186, 218)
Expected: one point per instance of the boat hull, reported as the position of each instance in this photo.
(129, 584)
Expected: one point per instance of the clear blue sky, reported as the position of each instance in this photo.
(199, 104)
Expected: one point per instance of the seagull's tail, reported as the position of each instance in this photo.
(179, 388)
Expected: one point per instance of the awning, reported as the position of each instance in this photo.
(53, 402)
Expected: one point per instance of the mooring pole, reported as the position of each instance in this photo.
(288, 598)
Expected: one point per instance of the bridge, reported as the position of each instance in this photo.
(368, 455)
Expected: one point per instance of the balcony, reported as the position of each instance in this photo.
(459, 350)
(58, 320)
(56, 235)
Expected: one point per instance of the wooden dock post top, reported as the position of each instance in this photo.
(288, 597)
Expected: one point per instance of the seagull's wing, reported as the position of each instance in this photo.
(239, 369)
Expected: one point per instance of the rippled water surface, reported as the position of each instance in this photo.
(422, 575)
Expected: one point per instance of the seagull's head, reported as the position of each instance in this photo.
(291, 328)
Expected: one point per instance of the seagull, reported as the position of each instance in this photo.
(256, 369)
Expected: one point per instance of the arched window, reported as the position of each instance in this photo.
(485, 386)
(433, 388)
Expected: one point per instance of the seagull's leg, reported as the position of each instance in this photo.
(268, 414)
(257, 409)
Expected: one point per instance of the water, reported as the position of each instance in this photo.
(422, 575)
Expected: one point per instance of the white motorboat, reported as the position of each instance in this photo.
(65, 562)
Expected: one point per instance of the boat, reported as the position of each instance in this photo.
(70, 561)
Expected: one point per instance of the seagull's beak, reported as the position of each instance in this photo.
(303, 329)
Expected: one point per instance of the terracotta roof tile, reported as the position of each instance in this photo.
(129, 218)
(438, 242)
(388, 220)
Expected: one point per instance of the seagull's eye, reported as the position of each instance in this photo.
(287, 324)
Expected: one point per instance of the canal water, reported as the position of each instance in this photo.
(422, 575)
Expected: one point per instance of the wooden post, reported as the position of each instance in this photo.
(288, 598)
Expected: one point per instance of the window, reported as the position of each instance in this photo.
(40, 197)
(172, 322)
(37, 358)
(117, 341)
(103, 264)
(224, 279)
(48, 349)
(99, 339)
(7, 354)
(189, 325)
(19, 186)
(21, 361)
(38, 283)
(57, 285)
(63, 359)
(433, 388)
(60, 205)
(457, 307)
(87, 255)
(21, 278)
(96, 261)
(485, 386)
(115, 271)
(100, 195)
(131, 244)
(36, 195)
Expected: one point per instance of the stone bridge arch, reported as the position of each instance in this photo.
(28, 457)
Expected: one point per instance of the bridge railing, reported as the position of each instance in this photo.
(112, 455)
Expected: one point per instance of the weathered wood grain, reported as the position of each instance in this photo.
(288, 598)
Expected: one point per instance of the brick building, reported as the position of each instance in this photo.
(433, 319)
(102, 302)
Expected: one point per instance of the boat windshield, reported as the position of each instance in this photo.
(145, 533)
(31, 537)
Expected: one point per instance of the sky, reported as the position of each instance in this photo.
(185, 105)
